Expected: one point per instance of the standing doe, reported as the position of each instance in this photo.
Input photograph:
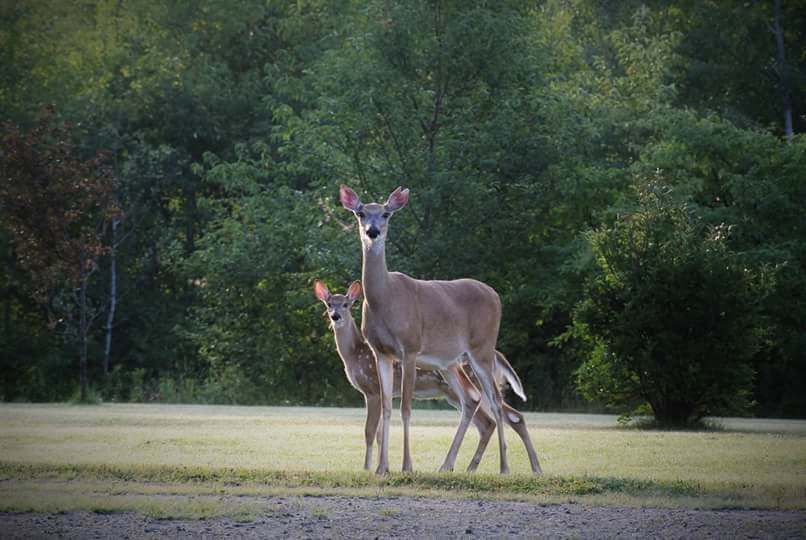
(359, 365)
(432, 324)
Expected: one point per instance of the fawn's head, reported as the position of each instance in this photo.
(373, 218)
(338, 305)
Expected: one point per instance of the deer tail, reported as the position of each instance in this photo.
(505, 368)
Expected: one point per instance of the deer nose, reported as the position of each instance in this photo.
(335, 316)
(373, 232)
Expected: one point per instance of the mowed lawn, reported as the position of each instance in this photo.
(180, 448)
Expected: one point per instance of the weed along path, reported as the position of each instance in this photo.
(143, 471)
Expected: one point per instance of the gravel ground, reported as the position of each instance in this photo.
(411, 517)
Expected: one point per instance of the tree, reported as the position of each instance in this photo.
(752, 181)
(56, 206)
(672, 316)
(517, 125)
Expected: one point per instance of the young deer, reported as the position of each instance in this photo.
(359, 365)
(433, 324)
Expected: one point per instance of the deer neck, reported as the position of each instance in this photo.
(347, 339)
(374, 273)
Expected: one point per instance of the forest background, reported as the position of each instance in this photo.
(629, 176)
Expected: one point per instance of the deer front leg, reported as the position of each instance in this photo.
(409, 373)
(386, 379)
(373, 403)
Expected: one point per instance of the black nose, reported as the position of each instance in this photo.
(373, 232)
(335, 316)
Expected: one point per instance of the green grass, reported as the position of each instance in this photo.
(191, 460)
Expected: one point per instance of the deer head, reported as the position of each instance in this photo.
(373, 218)
(338, 305)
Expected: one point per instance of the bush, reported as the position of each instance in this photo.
(671, 317)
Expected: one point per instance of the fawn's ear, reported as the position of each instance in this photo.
(354, 291)
(321, 291)
(397, 200)
(349, 199)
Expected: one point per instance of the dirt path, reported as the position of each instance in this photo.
(408, 517)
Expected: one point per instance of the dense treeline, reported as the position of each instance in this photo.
(628, 175)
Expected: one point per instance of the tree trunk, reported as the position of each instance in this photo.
(82, 334)
(113, 295)
(670, 412)
(7, 298)
(783, 72)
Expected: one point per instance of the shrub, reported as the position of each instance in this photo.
(670, 317)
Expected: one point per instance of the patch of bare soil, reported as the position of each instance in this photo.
(411, 517)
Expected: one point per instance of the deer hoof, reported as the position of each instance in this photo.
(382, 470)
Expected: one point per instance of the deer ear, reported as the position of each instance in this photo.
(321, 291)
(354, 291)
(349, 199)
(397, 200)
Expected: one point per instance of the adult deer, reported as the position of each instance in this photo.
(359, 365)
(433, 324)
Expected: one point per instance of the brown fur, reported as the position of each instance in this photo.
(432, 324)
(359, 366)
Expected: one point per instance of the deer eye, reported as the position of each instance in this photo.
(386, 215)
(345, 305)
(360, 214)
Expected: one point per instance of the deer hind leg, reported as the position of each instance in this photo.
(482, 360)
(517, 422)
(373, 403)
(481, 418)
(386, 378)
(468, 398)
(486, 426)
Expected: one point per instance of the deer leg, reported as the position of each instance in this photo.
(408, 377)
(373, 403)
(482, 361)
(481, 419)
(516, 420)
(485, 425)
(469, 401)
(386, 378)
(483, 422)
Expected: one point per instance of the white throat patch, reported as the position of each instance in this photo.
(338, 325)
(374, 246)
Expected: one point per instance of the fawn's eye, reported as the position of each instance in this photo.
(345, 305)
(386, 215)
(360, 214)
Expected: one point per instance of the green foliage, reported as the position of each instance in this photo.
(518, 126)
(671, 316)
(751, 181)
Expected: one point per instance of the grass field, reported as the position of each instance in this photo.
(114, 457)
